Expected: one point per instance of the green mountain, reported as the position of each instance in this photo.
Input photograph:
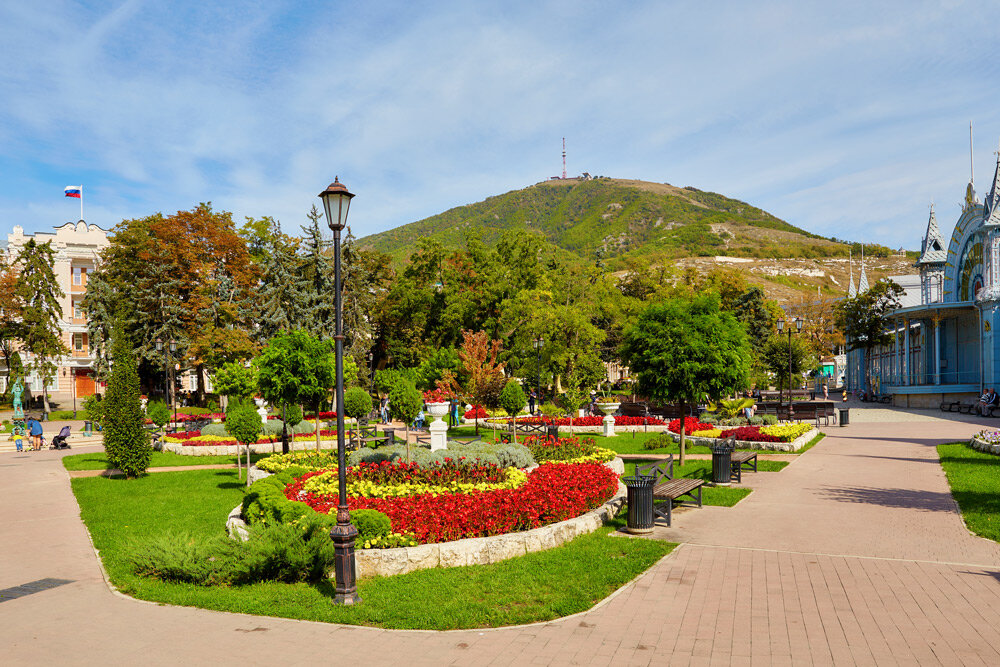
(617, 219)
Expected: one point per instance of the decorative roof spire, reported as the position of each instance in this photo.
(863, 280)
(991, 207)
(933, 250)
(852, 291)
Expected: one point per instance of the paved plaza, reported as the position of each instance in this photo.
(853, 554)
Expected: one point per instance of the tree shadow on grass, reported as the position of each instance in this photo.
(235, 483)
(927, 501)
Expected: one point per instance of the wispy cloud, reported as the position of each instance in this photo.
(844, 119)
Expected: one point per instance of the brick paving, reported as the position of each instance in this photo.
(853, 554)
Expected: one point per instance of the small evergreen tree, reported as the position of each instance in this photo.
(40, 294)
(357, 402)
(125, 440)
(244, 424)
(158, 413)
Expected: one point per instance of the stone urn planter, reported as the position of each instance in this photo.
(608, 409)
(438, 428)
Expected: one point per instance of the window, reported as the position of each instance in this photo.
(77, 275)
(78, 342)
(77, 309)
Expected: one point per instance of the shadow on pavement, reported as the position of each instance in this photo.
(928, 501)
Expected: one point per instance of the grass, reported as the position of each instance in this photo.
(974, 478)
(536, 587)
(724, 496)
(812, 443)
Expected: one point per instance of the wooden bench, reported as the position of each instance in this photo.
(741, 459)
(667, 489)
(950, 406)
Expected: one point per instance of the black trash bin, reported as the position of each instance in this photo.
(845, 418)
(640, 503)
(722, 464)
(390, 436)
(552, 432)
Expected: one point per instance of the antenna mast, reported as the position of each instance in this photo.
(972, 173)
(564, 158)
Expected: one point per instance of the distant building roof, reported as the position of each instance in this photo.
(911, 286)
(933, 250)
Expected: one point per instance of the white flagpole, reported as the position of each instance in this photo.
(81, 202)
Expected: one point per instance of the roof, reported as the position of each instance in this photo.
(991, 207)
(911, 286)
(934, 249)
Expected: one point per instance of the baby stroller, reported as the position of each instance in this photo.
(59, 441)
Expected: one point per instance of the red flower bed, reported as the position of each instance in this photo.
(228, 442)
(592, 420)
(554, 492)
(476, 412)
(750, 434)
(437, 396)
(690, 425)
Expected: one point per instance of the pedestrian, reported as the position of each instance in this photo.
(36, 434)
(826, 392)
(532, 397)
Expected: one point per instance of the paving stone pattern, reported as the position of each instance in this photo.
(853, 554)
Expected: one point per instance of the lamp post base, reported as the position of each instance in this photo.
(346, 583)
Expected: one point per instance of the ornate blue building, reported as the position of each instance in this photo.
(944, 347)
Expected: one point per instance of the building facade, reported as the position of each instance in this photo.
(76, 246)
(944, 346)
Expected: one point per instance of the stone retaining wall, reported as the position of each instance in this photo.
(793, 446)
(984, 446)
(232, 450)
(470, 551)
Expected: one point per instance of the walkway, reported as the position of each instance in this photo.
(852, 554)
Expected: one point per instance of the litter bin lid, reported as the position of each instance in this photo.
(638, 480)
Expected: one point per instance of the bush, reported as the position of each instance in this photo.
(709, 418)
(512, 398)
(94, 407)
(303, 427)
(659, 441)
(405, 401)
(158, 413)
(125, 440)
(357, 402)
(285, 553)
(243, 422)
(371, 524)
(769, 420)
(272, 427)
(293, 415)
(550, 409)
(215, 429)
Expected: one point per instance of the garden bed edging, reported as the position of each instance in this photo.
(983, 446)
(793, 446)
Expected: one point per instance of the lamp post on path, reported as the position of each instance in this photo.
(336, 202)
(798, 328)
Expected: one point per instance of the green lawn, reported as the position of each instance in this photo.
(974, 478)
(725, 496)
(536, 587)
(99, 460)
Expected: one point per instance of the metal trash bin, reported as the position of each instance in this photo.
(390, 436)
(722, 464)
(552, 432)
(845, 418)
(639, 497)
(88, 428)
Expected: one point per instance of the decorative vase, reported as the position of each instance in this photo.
(438, 410)
(608, 408)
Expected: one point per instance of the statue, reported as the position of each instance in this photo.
(17, 390)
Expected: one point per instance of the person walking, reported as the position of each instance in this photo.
(35, 430)
(532, 397)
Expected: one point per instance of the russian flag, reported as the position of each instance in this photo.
(74, 191)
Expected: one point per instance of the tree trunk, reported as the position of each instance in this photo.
(248, 465)
(45, 397)
(683, 412)
(284, 431)
(407, 442)
(239, 468)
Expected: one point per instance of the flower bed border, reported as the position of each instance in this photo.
(468, 551)
(793, 446)
(983, 446)
(233, 450)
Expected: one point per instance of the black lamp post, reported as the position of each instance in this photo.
(798, 328)
(172, 346)
(538, 343)
(336, 202)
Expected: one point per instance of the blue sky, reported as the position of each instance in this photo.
(846, 119)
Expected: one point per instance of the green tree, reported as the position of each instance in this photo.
(244, 424)
(357, 402)
(283, 292)
(39, 294)
(316, 272)
(125, 440)
(236, 380)
(405, 401)
(865, 319)
(577, 390)
(158, 413)
(296, 369)
(684, 350)
(776, 359)
(512, 399)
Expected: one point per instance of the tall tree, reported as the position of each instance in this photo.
(283, 293)
(39, 293)
(317, 276)
(10, 316)
(865, 319)
(686, 350)
(483, 372)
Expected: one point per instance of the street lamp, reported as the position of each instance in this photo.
(336, 202)
(798, 328)
(538, 343)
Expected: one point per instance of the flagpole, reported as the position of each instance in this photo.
(81, 202)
